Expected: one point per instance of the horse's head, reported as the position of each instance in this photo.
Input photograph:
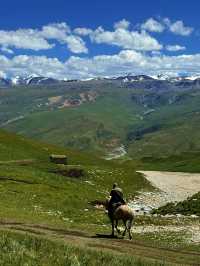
(101, 203)
(106, 203)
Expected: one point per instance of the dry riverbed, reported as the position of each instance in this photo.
(170, 187)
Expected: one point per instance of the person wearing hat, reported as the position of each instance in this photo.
(116, 199)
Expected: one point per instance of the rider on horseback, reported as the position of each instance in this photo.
(116, 199)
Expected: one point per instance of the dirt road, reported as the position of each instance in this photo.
(103, 242)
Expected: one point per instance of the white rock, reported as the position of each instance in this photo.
(194, 216)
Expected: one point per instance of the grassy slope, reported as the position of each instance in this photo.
(30, 192)
(185, 162)
(33, 250)
(78, 126)
(179, 130)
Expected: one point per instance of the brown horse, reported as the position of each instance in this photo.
(124, 213)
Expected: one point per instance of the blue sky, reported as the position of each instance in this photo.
(82, 39)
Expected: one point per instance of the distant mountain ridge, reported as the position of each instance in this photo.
(42, 80)
(30, 80)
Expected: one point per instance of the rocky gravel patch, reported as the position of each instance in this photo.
(188, 233)
(171, 187)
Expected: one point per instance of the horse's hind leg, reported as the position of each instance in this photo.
(129, 228)
(125, 228)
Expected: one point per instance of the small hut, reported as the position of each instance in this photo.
(58, 159)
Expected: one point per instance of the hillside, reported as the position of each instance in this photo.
(33, 189)
(43, 210)
(148, 117)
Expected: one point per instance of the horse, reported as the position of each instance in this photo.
(124, 213)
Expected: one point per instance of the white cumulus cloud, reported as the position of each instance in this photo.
(129, 61)
(153, 25)
(126, 61)
(126, 39)
(76, 44)
(24, 39)
(140, 52)
(122, 24)
(55, 31)
(83, 31)
(62, 33)
(121, 36)
(174, 48)
(35, 39)
(178, 27)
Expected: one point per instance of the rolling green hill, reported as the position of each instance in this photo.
(100, 116)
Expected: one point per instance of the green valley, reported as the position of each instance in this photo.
(100, 116)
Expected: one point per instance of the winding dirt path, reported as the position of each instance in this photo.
(103, 242)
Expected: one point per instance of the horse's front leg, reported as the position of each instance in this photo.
(125, 228)
(113, 228)
(118, 230)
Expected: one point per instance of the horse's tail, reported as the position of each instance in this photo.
(130, 223)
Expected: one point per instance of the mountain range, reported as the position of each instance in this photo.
(30, 80)
(39, 80)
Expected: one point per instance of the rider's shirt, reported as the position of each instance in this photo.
(116, 195)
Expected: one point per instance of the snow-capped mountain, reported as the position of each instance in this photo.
(167, 77)
(163, 77)
(175, 78)
(192, 78)
(33, 80)
(131, 78)
(39, 80)
(4, 82)
(17, 80)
